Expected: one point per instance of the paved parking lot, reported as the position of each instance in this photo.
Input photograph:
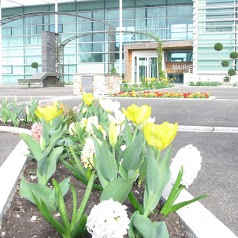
(218, 177)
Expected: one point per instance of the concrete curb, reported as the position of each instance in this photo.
(186, 99)
(208, 129)
(11, 169)
(199, 222)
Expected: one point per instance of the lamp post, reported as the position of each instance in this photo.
(0, 43)
(56, 17)
(120, 48)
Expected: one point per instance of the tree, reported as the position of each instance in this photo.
(218, 46)
(234, 55)
(231, 72)
(225, 63)
(35, 65)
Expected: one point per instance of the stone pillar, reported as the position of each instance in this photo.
(48, 51)
(103, 84)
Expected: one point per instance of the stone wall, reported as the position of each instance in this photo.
(48, 51)
(103, 84)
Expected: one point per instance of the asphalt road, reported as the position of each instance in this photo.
(218, 177)
(8, 141)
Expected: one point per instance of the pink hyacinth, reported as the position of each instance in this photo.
(36, 131)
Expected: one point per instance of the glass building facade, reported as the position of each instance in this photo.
(204, 22)
(214, 21)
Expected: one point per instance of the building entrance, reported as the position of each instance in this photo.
(144, 67)
(178, 78)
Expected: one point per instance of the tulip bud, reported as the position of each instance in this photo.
(113, 134)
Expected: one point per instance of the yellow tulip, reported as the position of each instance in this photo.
(113, 133)
(137, 115)
(88, 98)
(48, 112)
(160, 136)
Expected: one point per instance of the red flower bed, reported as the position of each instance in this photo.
(149, 94)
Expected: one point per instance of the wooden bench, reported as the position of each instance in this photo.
(29, 81)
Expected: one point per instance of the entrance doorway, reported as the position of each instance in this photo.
(144, 67)
(178, 77)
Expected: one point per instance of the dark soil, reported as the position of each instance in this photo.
(21, 125)
(17, 221)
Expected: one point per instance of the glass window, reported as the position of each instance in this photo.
(12, 41)
(97, 26)
(97, 57)
(7, 69)
(111, 4)
(60, 28)
(33, 20)
(69, 27)
(112, 15)
(146, 3)
(17, 31)
(7, 31)
(86, 26)
(84, 5)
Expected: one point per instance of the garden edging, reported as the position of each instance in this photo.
(11, 170)
(199, 222)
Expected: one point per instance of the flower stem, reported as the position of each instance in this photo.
(135, 132)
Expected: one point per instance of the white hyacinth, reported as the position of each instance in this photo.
(108, 219)
(87, 123)
(189, 157)
(88, 153)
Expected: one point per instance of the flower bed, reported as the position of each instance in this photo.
(150, 94)
(116, 154)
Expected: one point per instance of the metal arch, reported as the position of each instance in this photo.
(110, 57)
(17, 17)
(45, 13)
(111, 52)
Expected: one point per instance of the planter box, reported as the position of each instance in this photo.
(98, 84)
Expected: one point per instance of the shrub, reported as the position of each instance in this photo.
(234, 55)
(34, 65)
(225, 63)
(231, 72)
(68, 113)
(218, 46)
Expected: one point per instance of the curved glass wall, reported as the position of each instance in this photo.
(166, 19)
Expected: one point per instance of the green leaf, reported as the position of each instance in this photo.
(40, 191)
(131, 155)
(128, 135)
(159, 230)
(182, 204)
(61, 205)
(46, 213)
(5, 115)
(79, 228)
(78, 163)
(118, 189)
(176, 189)
(157, 177)
(143, 225)
(33, 146)
(98, 133)
(45, 133)
(74, 217)
(64, 187)
(135, 203)
(47, 166)
(105, 163)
